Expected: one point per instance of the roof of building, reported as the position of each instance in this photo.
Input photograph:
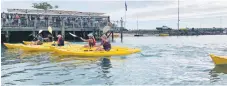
(53, 12)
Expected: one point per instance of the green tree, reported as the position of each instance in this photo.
(44, 6)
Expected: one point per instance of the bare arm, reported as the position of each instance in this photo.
(45, 39)
(99, 45)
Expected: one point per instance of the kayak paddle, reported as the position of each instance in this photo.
(40, 31)
(50, 29)
(105, 30)
(73, 35)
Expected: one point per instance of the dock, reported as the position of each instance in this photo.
(17, 24)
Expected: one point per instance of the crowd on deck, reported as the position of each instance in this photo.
(37, 20)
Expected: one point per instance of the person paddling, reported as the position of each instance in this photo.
(48, 39)
(105, 43)
(91, 41)
(60, 41)
(39, 40)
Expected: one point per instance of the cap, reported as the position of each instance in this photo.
(90, 35)
(59, 36)
(104, 36)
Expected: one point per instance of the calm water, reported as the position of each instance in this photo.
(164, 60)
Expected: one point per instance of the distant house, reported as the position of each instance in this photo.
(163, 28)
(225, 31)
(119, 29)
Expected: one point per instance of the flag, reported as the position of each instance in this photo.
(125, 6)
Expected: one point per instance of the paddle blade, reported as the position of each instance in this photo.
(73, 35)
(40, 31)
(50, 29)
(106, 29)
(30, 35)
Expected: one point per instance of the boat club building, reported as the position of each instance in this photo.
(18, 24)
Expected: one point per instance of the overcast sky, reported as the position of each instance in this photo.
(150, 13)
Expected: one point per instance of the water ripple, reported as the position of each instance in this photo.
(162, 61)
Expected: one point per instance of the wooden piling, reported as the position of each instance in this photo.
(7, 36)
(35, 27)
(84, 34)
(112, 36)
(121, 30)
(63, 30)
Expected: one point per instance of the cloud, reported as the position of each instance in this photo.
(188, 9)
(151, 13)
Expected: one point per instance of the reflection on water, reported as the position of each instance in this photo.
(220, 69)
(163, 60)
(217, 71)
(105, 66)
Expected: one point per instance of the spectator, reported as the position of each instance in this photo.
(37, 20)
(10, 19)
(32, 23)
(17, 17)
(58, 21)
(42, 20)
(3, 18)
(50, 20)
(26, 19)
(19, 22)
(22, 21)
(46, 21)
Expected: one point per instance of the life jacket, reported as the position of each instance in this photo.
(60, 41)
(93, 42)
(106, 45)
(17, 16)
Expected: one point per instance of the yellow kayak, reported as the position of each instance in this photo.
(47, 43)
(163, 34)
(76, 50)
(46, 47)
(12, 46)
(116, 35)
(81, 47)
(218, 60)
(85, 52)
(35, 48)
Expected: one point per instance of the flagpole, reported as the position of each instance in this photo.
(125, 20)
(178, 20)
(125, 14)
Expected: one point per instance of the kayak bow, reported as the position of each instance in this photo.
(218, 60)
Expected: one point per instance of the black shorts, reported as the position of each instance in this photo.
(107, 49)
(91, 44)
(60, 44)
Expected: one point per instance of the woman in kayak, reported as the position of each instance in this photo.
(91, 41)
(39, 40)
(60, 41)
(105, 43)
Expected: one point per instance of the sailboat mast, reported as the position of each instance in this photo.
(137, 24)
(178, 20)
